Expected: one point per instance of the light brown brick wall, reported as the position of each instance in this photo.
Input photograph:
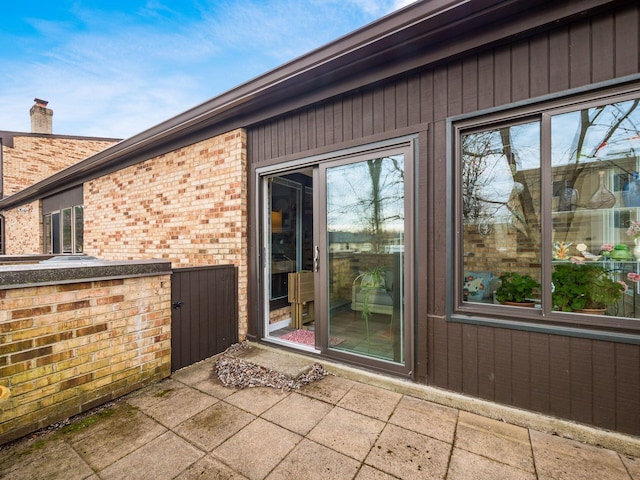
(188, 206)
(67, 348)
(34, 158)
(23, 229)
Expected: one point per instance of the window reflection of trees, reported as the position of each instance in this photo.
(368, 197)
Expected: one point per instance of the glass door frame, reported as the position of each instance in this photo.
(407, 146)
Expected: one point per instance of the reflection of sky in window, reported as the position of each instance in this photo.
(622, 142)
(349, 196)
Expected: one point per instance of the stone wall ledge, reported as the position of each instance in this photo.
(61, 270)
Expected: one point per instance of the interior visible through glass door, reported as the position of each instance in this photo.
(291, 286)
(365, 256)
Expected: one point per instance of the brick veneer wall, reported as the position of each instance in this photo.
(67, 348)
(23, 229)
(33, 158)
(188, 206)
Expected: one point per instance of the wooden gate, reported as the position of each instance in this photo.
(204, 320)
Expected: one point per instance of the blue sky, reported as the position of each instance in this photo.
(116, 68)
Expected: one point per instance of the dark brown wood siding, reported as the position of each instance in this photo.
(590, 381)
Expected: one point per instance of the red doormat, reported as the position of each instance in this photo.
(307, 337)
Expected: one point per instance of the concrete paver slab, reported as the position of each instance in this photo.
(330, 389)
(209, 468)
(214, 425)
(113, 438)
(426, 418)
(289, 365)
(370, 473)
(269, 444)
(370, 401)
(310, 461)
(469, 466)
(173, 404)
(50, 458)
(347, 432)
(499, 441)
(407, 454)
(564, 459)
(256, 400)
(163, 458)
(633, 466)
(297, 413)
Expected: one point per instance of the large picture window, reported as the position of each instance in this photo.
(548, 214)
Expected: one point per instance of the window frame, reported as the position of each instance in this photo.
(543, 319)
(50, 228)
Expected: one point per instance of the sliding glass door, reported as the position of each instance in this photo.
(336, 235)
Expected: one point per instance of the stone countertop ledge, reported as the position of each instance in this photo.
(74, 268)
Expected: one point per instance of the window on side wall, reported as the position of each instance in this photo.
(547, 215)
(63, 231)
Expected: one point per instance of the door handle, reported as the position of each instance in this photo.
(316, 258)
(177, 305)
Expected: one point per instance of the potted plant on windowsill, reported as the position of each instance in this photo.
(585, 288)
(516, 289)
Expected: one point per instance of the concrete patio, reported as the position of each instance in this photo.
(349, 425)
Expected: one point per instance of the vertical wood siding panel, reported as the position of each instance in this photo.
(628, 388)
(426, 97)
(539, 58)
(627, 41)
(389, 107)
(295, 132)
(540, 373)
(438, 234)
(347, 118)
(470, 359)
(454, 91)
(604, 388)
(503, 366)
(321, 137)
(401, 104)
(304, 131)
(502, 75)
(485, 81)
(470, 84)
(329, 138)
(312, 128)
(378, 110)
(338, 126)
(580, 55)
(581, 372)
(367, 113)
(559, 59)
(288, 134)
(413, 100)
(357, 119)
(282, 138)
(454, 356)
(521, 369)
(603, 48)
(520, 64)
(440, 366)
(559, 376)
(486, 363)
(440, 94)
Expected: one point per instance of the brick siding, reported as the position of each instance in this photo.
(23, 229)
(188, 206)
(67, 348)
(34, 158)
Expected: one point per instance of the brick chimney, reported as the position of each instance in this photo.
(41, 117)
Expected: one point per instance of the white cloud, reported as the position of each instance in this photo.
(116, 74)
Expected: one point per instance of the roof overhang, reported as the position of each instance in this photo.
(420, 35)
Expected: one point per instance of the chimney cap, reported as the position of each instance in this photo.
(39, 101)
